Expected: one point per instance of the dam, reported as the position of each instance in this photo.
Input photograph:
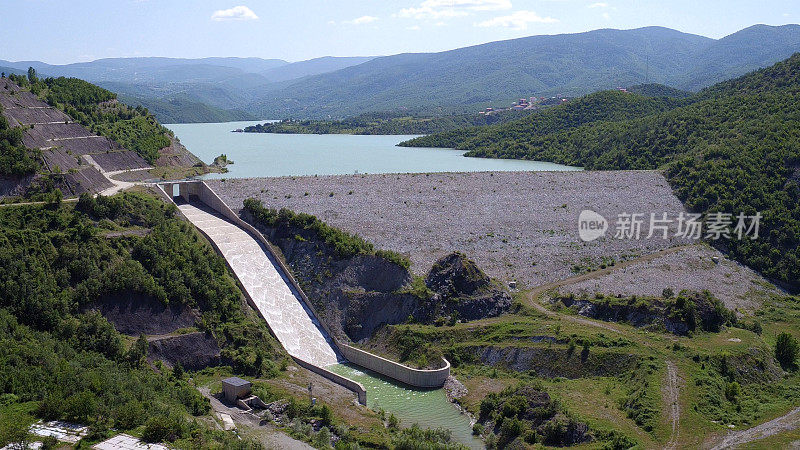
(413, 395)
(271, 290)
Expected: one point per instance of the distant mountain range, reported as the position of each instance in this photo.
(499, 72)
(189, 90)
(452, 81)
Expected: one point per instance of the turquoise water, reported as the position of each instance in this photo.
(271, 155)
(427, 407)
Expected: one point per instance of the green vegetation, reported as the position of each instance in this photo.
(658, 90)
(687, 313)
(732, 148)
(641, 401)
(15, 159)
(387, 123)
(97, 109)
(786, 350)
(344, 245)
(475, 77)
(415, 437)
(737, 389)
(605, 106)
(180, 108)
(72, 364)
(527, 413)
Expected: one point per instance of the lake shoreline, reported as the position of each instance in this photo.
(271, 155)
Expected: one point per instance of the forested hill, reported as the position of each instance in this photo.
(496, 72)
(388, 123)
(735, 147)
(600, 106)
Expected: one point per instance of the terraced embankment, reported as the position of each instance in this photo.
(65, 145)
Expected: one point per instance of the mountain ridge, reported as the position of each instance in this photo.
(496, 72)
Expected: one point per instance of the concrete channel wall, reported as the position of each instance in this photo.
(413, 377)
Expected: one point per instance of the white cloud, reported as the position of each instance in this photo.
(235, 13)
(413, 28)
(361, 20)
(606, 16)
(441, 9)
(519, 20)
(599, 5)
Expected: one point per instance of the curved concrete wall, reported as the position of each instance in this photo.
(413, 377)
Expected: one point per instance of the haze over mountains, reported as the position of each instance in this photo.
(464, 79)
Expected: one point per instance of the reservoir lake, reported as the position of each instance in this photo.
(274, 155)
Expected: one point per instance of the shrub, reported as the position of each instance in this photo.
(786, 350)
(164, 428)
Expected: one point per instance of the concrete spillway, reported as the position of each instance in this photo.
(286, 314)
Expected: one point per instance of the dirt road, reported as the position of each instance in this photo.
(786, 422)
(267, 435)
(671, 392)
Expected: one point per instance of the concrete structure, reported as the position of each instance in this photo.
(275, 294)
(127, 442)
(235, 388)
(63, 431)
(413, 377)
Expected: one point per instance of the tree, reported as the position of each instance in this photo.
(138, 352)
(32, 75)
(13, 429)
(786, 350)
(177, 371)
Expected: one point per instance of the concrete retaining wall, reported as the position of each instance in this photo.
(413, 377)
(410, 376)
(358, 388)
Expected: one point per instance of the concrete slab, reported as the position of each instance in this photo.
(126, 442)
(292, 323)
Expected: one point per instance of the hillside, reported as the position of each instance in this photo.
(61, 359)
(62, 134)
(310, 67)
(189, 90)
(386, 123)
(733, 148)
(182, 109)
(600, 106)
(568, 64)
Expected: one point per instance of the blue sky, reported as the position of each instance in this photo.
(60, 31)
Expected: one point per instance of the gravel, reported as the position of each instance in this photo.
(690, 268)
(518, 226)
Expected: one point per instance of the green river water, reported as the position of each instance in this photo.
(427, 407)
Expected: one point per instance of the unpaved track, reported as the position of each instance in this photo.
(787, 422)
(672, 385)
(267, 435)
(535, 294)
(672, 398)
